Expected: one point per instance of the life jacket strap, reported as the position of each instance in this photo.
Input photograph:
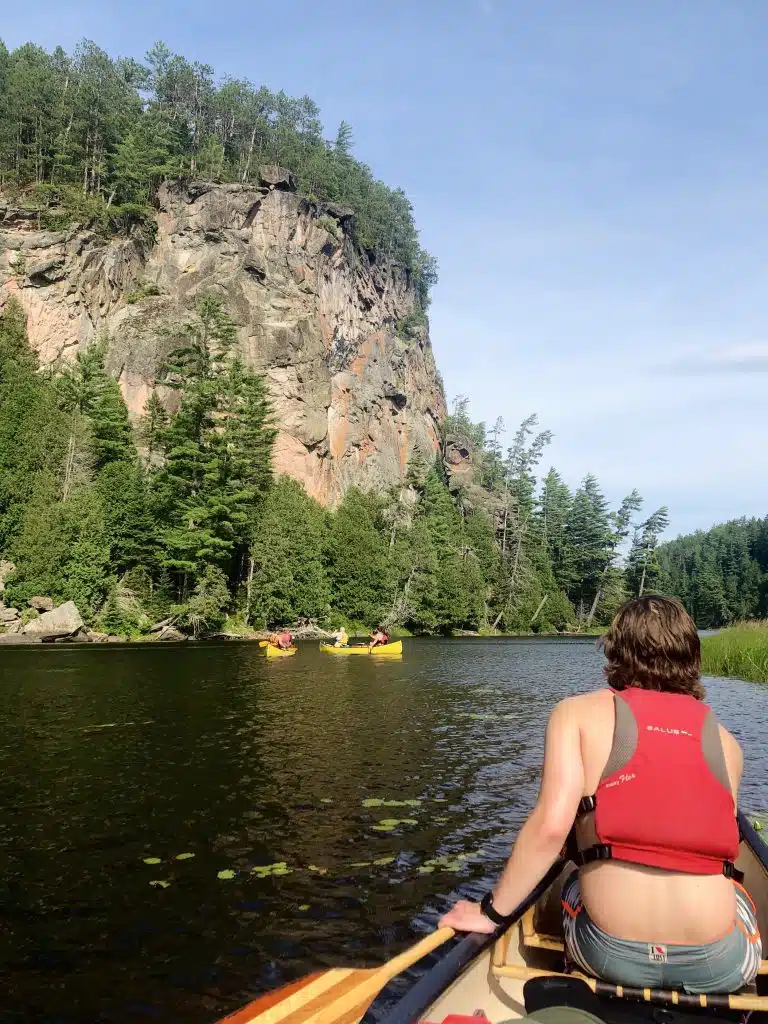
(587, 804)
(604, 851)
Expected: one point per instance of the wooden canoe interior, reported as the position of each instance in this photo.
(494, 982)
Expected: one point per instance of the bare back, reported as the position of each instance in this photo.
(640, 903)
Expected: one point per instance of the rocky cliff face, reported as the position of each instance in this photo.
(354, 395)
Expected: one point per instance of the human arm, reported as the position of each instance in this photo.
(543, 835)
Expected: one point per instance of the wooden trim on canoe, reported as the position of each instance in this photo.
(648, 995)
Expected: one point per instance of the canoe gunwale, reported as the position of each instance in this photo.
(428, 989)
(390, 650)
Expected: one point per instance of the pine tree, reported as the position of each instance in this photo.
(287, 580)
(356, 556)
(152, 429)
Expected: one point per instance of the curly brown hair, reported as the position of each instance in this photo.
(652, 643)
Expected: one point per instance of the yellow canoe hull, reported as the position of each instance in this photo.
(385, 650)
(277, 652)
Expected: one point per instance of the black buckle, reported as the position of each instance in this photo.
(600, 851)
(731, 871)
(587, 804)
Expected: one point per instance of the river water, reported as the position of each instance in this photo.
(210, 761)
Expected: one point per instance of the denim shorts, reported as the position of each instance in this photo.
(726, 965)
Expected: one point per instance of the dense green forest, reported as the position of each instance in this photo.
(87, 137)
(720, 574)
(180, 516)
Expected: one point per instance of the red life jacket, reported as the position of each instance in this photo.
(664, 799)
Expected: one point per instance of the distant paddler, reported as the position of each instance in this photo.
(282, 640)
(341, 636)
(378, 637)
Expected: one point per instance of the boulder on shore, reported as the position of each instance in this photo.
(19, 638)
(41, 604)
(171, 634)
(8, 614)
(6, 568)
(62, 621)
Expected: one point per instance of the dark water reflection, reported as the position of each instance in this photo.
(113, 755)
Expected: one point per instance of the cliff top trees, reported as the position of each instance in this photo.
(93, 132)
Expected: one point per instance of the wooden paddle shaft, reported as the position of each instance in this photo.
(340, 995)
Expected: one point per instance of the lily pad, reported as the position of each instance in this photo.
(388, 824)
(226, 874)
(326, 800)
(159, 883)
(184, 856)
(384, 860)
(375, 802)
(266, 870)
(304, 906)
(153, 860)
(361, 864)
(317, 870)
(426, 869)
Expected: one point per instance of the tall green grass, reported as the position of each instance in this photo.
(740, 650)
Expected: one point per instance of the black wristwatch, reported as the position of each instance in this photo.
(486, 905)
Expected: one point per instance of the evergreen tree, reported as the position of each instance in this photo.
(31, 425)
(287, 580)
(358, 568)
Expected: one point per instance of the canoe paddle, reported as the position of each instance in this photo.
(340, 995)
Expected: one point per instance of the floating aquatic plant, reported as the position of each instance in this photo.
(226, 874)
(375, 802)
(153, 860)
(159, 883)
(388, 824)
(317, 870)
(184, 856)
(267, 870)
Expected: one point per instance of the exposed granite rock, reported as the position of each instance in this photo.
(63, 621)
(6, 568)
(352, 399)
(41, 604)
(19, 638)
(457, 460)
(8, 615)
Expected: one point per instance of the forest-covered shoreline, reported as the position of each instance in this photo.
(180, 516)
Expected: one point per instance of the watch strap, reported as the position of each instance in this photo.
(486, 905)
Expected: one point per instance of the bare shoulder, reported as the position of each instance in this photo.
(734, 756)
(581, 706)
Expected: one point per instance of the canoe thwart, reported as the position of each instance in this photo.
(663, 997)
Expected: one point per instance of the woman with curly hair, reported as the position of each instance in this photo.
(647, 779)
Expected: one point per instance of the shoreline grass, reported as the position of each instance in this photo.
(740, 651)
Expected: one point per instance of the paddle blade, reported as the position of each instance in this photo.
(320, 997)
(340, 995)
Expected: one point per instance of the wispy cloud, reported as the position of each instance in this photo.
(738, 359)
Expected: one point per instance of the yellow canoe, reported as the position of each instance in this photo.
(277, 652)
(383, 651)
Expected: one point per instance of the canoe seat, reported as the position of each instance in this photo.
(533, 939)
(739, 1001)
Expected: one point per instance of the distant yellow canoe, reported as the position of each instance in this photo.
(277, 652)
(383, 651)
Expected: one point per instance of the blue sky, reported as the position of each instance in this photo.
(592, 178)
